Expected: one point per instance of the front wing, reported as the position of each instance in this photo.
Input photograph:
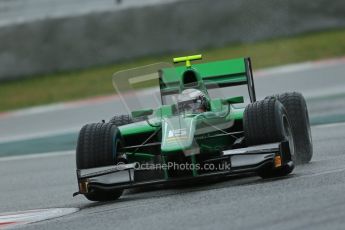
(242, 160)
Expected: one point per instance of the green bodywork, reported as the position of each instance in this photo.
(196, 135)
(218, 114)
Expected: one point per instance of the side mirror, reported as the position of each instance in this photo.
(142, 113)
(233, 100)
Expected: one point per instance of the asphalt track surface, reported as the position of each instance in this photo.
(312, 197)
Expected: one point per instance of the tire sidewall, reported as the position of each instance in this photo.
(281, 118)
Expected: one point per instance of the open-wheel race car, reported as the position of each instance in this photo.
(190, 122)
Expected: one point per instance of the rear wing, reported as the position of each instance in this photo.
(216, 74)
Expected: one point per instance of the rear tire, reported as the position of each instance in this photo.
(97, 146)
(124, 120)
(297, 111)
(265, 122)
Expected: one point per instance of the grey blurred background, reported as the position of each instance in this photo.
(46, 36)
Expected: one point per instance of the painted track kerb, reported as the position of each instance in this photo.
(25, 217)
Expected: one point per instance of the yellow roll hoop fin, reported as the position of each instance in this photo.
(187, 59)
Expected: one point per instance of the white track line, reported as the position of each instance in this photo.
(292, 68)
(284, 69)
(330, 171)
(39, 135)
(329, 125)
(37, 155)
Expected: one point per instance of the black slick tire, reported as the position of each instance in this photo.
(265, 122)
(97, 146)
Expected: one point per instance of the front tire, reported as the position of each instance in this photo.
(265, 122)
(97, 146)
(297, 111)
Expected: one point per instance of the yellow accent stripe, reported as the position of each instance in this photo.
(187, 59)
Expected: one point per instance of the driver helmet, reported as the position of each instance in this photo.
(197, 99)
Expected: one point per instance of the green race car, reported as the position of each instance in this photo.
(188, 123)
